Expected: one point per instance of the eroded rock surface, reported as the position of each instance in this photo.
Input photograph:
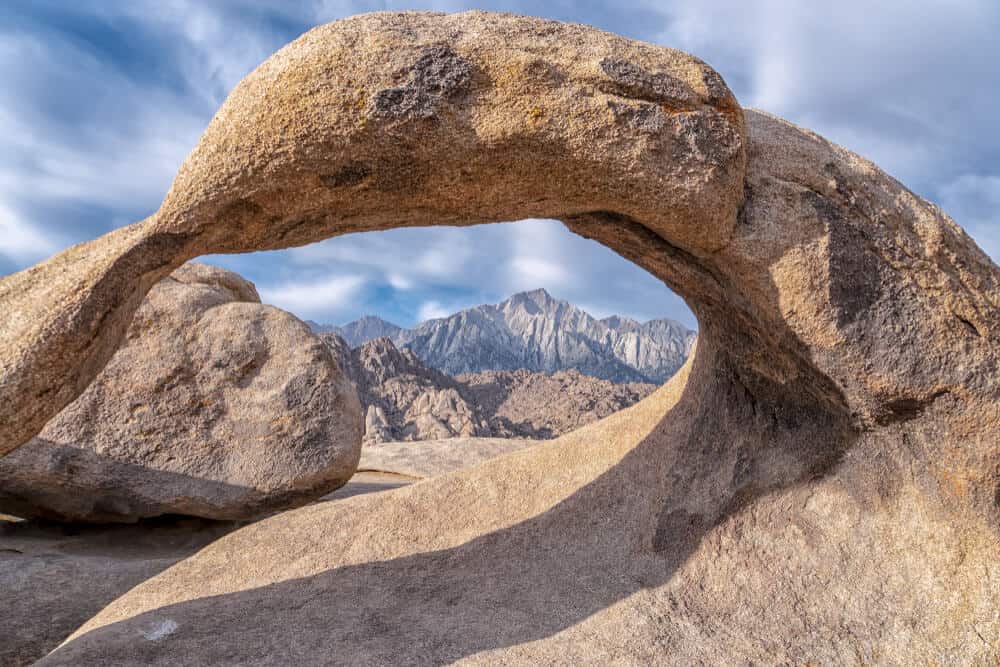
(819, 484)
(428, 458)
(54, 578)
(335, 134)
(216, 406)
(525, 404)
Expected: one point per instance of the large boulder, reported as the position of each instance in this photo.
(215, 406)
(818, 484)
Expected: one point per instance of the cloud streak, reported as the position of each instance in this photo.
(101, 102)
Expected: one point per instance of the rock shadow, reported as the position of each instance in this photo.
(722, 446)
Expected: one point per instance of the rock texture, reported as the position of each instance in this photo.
(523, 404)
(818, 484)
(405, 400)
(54, 579)
(402, 398)
(215, 406)
(364, 329)
(429, 458)
(419, 111)
(534, 331)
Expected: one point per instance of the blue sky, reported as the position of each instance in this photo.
(101, 101)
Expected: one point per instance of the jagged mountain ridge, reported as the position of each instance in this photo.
(403, 399)
(534, 331)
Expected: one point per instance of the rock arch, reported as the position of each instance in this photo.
(847, 360)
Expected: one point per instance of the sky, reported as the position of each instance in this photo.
(100, 102)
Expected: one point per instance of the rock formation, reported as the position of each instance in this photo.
(53, 579)
(525, 404)
(215, 406)
(534, 331)
(363, 329)
(429, 458)
(402, 398)
(818, 484)
(405, 400)
(561, 120)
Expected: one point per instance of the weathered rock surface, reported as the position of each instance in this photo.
(525, 404)
(534, 331)
(419, 111)
(429, 458)
(53, 579)
(818, 484)
(216, 406)
(403, 399)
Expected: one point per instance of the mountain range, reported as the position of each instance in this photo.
(535, 332)
(404, 399)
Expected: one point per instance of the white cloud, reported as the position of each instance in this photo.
(316, 297)
(973, 200)
(528, 273)
(432, 310)
(124, 156)
(399, 281)
(22, 241)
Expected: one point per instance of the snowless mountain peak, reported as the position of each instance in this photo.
(537, 332)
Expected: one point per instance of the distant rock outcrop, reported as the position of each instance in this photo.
(533, 331)
(365, 329)
(528, 404)
(406, 400)
(216, 406)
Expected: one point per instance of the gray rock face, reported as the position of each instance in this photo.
(405, 400)
(54, 579)
(534, 331)
(526, 404)
(365, 329)
(216, 406)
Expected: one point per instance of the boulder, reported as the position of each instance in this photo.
(216, 406)
(818, 484)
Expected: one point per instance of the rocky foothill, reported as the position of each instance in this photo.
(404, 399)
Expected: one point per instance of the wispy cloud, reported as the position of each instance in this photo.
(21, 241)
(319, 297)
(101, 102)
(432, 310)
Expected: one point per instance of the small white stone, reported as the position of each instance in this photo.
(161, 630)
